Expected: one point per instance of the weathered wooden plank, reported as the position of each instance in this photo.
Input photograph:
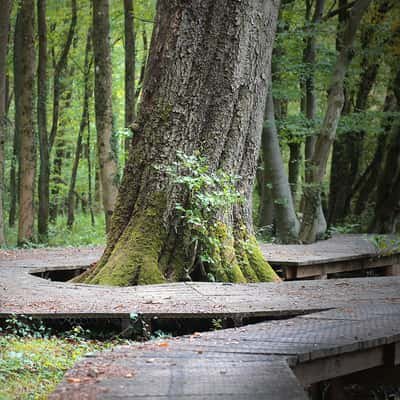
(339, 365)
(174, 378)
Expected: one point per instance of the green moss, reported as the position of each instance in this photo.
(251, 260)
(259, 265)
(134, 260)
(228, 269)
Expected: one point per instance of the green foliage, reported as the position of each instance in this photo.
(210, 195)
(385, 244)
(24, 326)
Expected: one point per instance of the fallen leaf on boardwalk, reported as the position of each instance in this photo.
(73, 380)
(163, 344)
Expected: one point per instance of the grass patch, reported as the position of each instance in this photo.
(30, 368)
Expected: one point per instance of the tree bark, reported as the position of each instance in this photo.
(287, 225)
(317, 165)
(130, 61)
(5, 10)
(84, 122)
(204, 91)
(103, 107)
(44, 171)
(24, 64)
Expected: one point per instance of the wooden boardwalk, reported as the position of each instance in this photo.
(333, 328)
(341, 253)
(23, 293)
(272, 360)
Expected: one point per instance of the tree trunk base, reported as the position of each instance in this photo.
(143, 256)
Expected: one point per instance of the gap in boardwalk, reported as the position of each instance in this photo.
(58, 274)
(136, 327)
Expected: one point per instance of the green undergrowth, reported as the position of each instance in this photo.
(83, 233)
(34, 357)
(31, 367)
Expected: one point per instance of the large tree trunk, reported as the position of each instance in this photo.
(287, 225)
(44, 172)
(84, 122)
(24, 63)
(5, 9)
(318, 162)
(103, 107)
(204, 91)
(130, 58)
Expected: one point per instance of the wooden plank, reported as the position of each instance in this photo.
(340, 365)
(180, 378)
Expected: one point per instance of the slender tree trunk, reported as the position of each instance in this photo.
(387, 206)
(295, 160)
(5, 10)
(44, 172)
(266, 207)
(89, 169)
(13, 182)
(130, 58)
(348, 148)
(309, 105)
(317, 165)
(83, 124)
(24, 64)
(58, 161)
(142, 68)
(287, 225)
(367, 183)
(204, 91)
(59, 69)
(103, 107)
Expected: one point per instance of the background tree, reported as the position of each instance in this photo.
(130, 62)
(107, 158)
(287, 224)
(24, 65)
(318, 162)
(44, 172)
(5, 9)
